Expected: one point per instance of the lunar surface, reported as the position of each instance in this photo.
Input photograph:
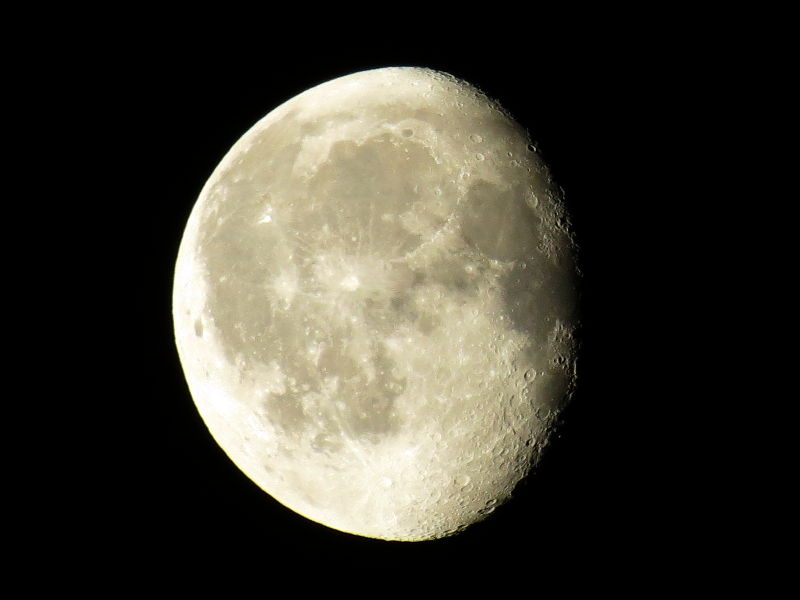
(375, 307)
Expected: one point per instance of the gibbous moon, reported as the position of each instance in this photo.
(374, 304)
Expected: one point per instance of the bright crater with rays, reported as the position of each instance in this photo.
(374, 304)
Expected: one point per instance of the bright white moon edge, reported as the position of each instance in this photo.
(374, 304)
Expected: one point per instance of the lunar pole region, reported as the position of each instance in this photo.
(374, 304)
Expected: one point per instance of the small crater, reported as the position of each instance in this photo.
(479, 156)
(350, 283)
(198, 328)
(408, 132)
(475, 138)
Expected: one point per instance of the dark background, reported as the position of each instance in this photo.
(608, 499)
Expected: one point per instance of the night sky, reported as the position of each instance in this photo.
(604, 498)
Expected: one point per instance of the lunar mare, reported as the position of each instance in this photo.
(374, 304)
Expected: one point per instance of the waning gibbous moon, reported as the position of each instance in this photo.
(374, 304)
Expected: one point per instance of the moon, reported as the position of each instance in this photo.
(375, 304)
